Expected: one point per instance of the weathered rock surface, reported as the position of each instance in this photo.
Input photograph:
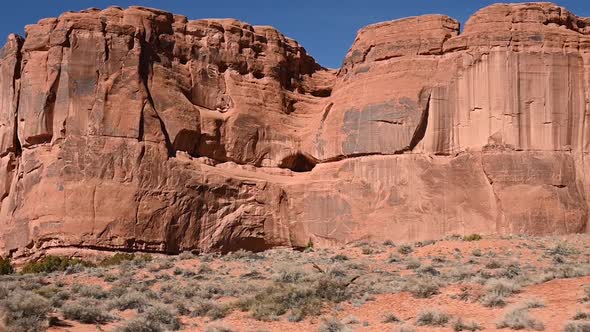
(138, 129)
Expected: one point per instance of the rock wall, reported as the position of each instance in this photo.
(137, 129)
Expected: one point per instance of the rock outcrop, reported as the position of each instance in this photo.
(137, 129)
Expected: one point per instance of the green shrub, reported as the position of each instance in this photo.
(86, 311)
(186, 255)
(350, 320)
(241, 254)
(497, 290)
(340, 257)
(218, 312)
(30, 283)
(586, 297)
(116, 259)
(47, 291)
(332, 324)
(563, 249)
(580, 315)
(502, 287)
(424, 243)
(432, 317)
(428, 270)
(5, 266)
(289, 274)
(158, 318)
(90, 291)
(162, 265)
(460, 325)
(50, 264)
(493, 264)
(393, 258)
(405, 249)
(204, 269)
(391, 318)
(163, 315)
(299, 299)
(218, 328)
(406, 328)
(519, 319)
(511, 271)
(557, 259)
(141, 324)
(24, 311)
(130, 300)
(58, 299)
(459, 273)
(493, 300)
(252, 275)
(210, 309)
(276, 300)
(6, 289)
(367, 251)
(453, 237)
(331, 289)
(212, 290)
(532, 303)
(309, 245)
(413, 264)
(577, 326)
(439, 259)
(422, 287)
(565, 271)
(472, 237)
(142, 259)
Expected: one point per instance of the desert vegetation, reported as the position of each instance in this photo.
(364, 286)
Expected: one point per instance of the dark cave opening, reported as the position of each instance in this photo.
(298, 162)
(322, 92)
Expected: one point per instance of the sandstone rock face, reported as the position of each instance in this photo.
(138, 129)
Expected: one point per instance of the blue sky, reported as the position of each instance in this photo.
(326, 28)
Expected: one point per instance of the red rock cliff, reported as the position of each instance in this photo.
(139, 129)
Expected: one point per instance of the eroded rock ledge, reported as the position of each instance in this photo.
(137, 129)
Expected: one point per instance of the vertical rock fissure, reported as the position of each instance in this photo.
(49, 107)
(570, 106)
(327, 110)
(141, 133)
(16, 95)
(501, 215)
(106, 41)
(420, 131)
(144, 73)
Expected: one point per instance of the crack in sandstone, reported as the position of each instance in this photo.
(16, 94)
(356, 155)
(420, 131)
(144, 72)
(388, 57)
(393, 122)
(501, 216)
(366, 53)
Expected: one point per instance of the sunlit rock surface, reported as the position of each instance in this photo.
(138, 129)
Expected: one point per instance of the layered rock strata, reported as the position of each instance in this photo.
(137, 129)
